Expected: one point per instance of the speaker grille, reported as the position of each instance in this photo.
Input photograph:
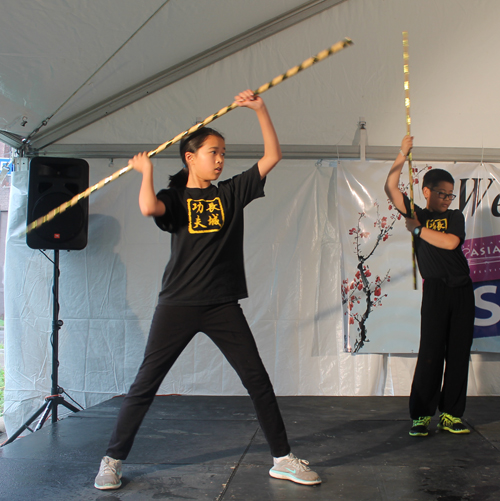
(53, 181)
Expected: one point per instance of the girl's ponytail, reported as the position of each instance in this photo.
(179, 180)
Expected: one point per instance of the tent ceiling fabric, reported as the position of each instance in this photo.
(62, 43)
(190, 57)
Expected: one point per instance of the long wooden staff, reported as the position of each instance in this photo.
(346, 42)
(406, 69)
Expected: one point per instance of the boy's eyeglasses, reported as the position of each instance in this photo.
(444, 196)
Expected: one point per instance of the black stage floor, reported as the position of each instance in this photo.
(211, 448)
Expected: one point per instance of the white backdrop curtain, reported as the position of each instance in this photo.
(108, 293)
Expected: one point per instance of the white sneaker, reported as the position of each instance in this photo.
(109, 474)
(294, 469)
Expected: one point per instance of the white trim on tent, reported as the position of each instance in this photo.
(291, 152)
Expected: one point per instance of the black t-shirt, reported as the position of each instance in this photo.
(206, 264)
(433, 262)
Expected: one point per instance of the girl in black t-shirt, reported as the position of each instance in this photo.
(202, 284)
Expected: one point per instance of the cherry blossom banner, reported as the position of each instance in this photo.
(381, 308)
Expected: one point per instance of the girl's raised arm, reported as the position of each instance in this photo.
(272, 149)
(148, 203)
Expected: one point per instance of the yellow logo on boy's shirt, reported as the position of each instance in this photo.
(205, 216)
(437, 224)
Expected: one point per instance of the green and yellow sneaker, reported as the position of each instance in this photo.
(419, 428)
(452, 424)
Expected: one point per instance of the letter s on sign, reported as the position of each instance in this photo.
(481, 303)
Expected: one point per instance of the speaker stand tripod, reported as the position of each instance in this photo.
(55, 398)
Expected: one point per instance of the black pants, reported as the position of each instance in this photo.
(172, 329)
(446, 332)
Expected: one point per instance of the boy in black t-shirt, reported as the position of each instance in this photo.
(447, 314)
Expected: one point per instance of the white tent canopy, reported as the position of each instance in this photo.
(112, 78)
(164, 64)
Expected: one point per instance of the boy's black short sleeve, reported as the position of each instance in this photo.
(433, 262)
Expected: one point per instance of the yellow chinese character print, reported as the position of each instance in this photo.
(205, 216)
(212, 206)
(437, 224)
(198, 207)
(197, 223)
(214, 220)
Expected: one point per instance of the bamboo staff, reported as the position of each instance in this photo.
(346, 42)
(406, 69)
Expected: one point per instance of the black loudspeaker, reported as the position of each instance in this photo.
(53, 181)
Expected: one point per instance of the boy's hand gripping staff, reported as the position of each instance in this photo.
(346, 42)
(406, 70)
